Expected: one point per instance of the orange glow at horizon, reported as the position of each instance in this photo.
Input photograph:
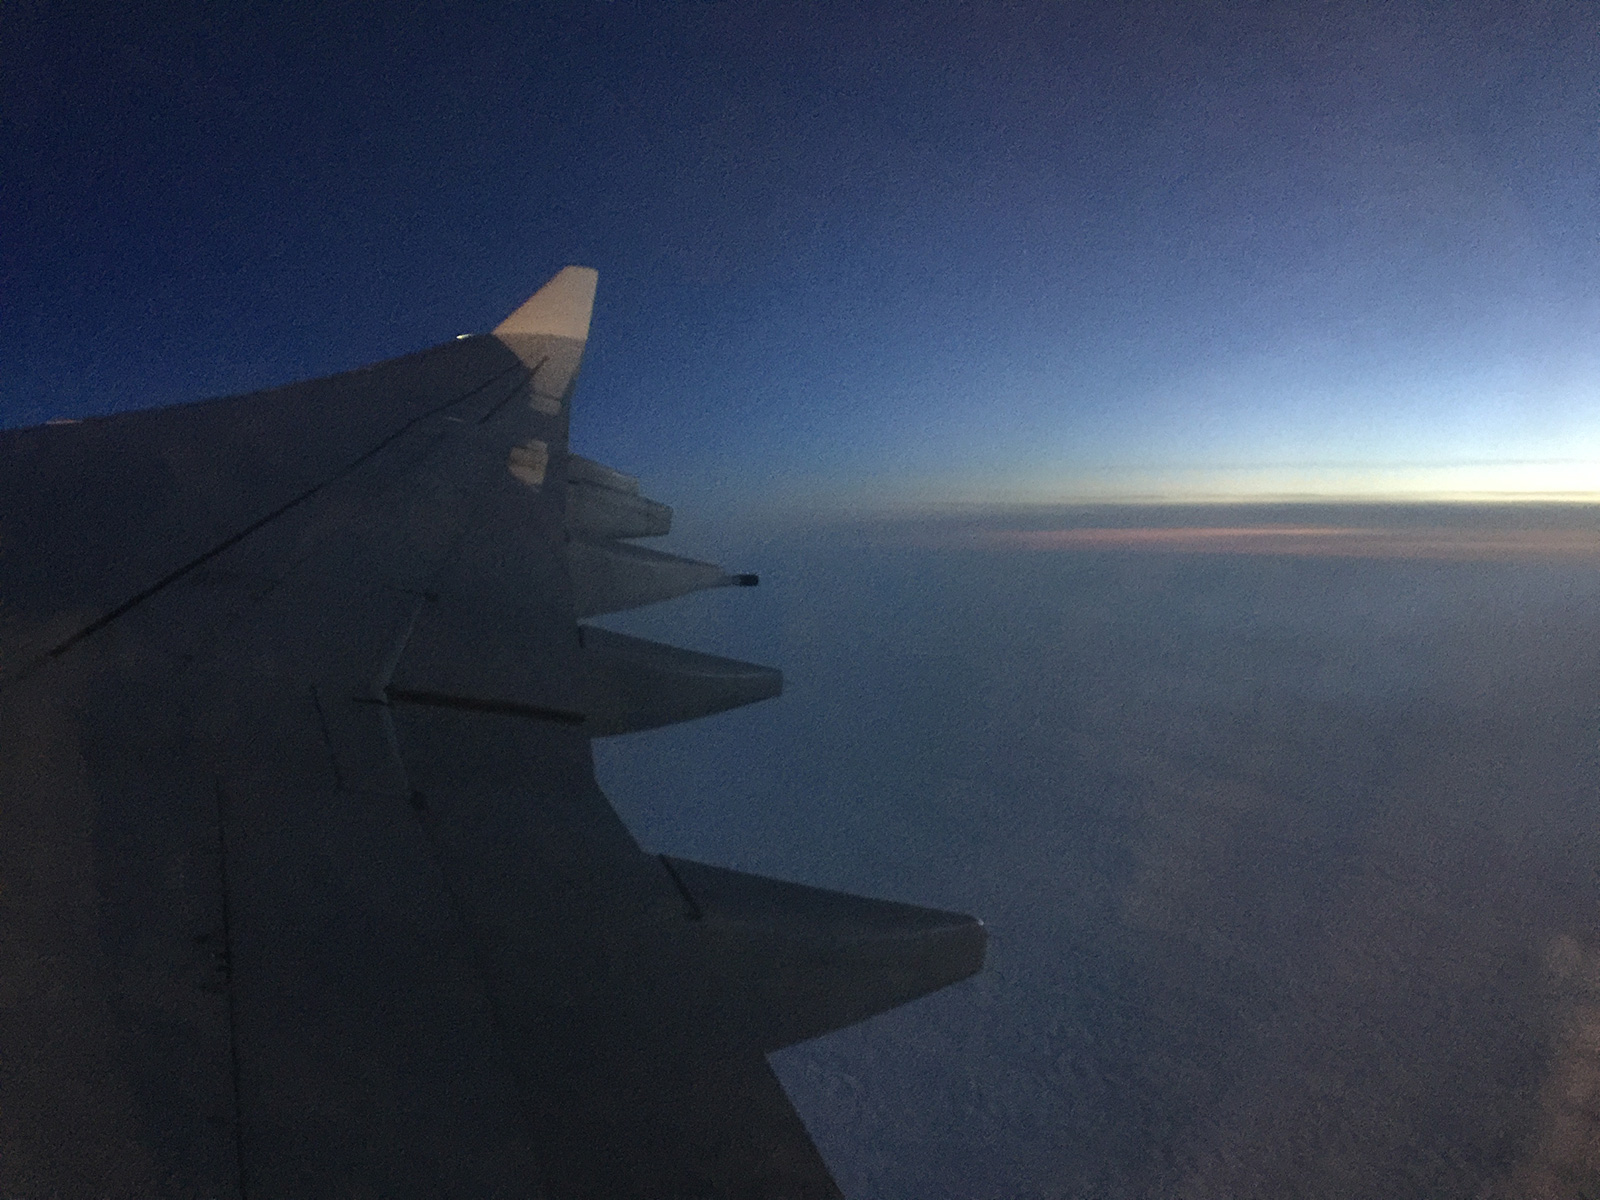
(1455, 545)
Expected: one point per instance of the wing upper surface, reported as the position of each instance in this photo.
(307, 885)
(98, 513)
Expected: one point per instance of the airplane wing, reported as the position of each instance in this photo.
(306, 886)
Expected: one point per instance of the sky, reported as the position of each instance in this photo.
(1281, 817)
(851, 256)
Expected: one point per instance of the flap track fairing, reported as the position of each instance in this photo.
(612, 576)
(632, 684)
(602, 512)
(804, 961)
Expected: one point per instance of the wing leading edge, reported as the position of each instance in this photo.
(307, 887)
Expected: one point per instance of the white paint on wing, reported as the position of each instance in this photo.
(528, 462)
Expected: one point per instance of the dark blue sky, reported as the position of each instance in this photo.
(870, 254)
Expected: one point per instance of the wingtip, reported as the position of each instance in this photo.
(561, 308)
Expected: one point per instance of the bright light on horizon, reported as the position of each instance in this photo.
(1567, 480)
(1524, 483)
(1313, 541)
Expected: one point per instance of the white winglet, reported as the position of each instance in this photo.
(560, 308)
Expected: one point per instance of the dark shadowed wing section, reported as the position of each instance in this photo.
(140, 661)
(100, 514)
(308, 888)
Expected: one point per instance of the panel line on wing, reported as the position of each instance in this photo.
(327, 738)
(512, 394)
(229, 543)
(692, 910)
(233, 1002)
(514, 708)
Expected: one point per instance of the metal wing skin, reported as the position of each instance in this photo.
(306, 886)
